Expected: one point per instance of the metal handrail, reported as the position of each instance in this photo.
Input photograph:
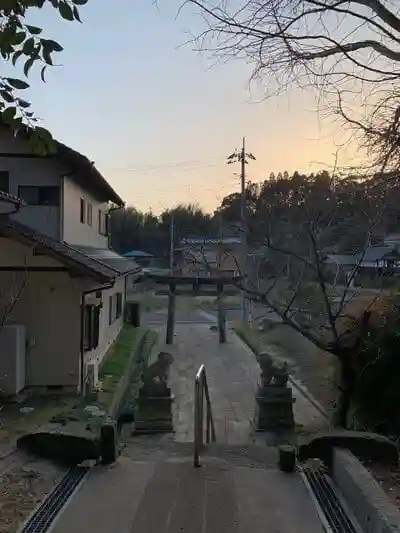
(201, 392)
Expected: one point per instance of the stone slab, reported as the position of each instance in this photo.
(108, 500)
(172, 496)
(269, 500)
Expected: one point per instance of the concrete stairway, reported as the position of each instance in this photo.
(157, 490)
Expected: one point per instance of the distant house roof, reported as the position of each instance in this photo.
(82, 169)
(5, 197)
(66, 254)
(370, 255)
(199, 240)
(376, 253)
(137, 254)
(117, 262)
(343, 259)
(392, 238)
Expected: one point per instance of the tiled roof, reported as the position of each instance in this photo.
(65, 253)
(88, 173)
(82, 169)
(120, 264)
(375, 253)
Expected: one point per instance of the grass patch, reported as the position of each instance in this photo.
(138, 340)
(249, 337)
(116, 359)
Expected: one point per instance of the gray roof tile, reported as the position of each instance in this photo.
(60, 250)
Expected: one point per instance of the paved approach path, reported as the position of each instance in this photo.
(233, 374)
(154, 487)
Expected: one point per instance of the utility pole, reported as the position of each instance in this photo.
(171, 244)
(242, 157)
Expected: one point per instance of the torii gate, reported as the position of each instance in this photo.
(191, 286)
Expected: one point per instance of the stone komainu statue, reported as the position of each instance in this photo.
(156, 374)
(272, 373)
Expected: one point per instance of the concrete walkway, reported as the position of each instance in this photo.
(233, 374)
(174, 497)
(154, 487)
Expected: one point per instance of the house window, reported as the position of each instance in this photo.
(4, 181)
(34, 195)
(110, 310)
(103, 223)
(91, 327)
(118, 311)
(114, 307)
(89, 214)
(107, 223)
(83, 211)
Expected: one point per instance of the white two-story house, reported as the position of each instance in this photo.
(62, 290)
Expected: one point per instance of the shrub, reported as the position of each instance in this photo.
(376, 361)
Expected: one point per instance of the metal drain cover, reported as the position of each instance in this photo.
(42, 518)
(336, 517)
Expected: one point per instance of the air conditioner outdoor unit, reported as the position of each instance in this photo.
(12, 359)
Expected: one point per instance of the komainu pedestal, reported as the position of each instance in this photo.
(274, 409)
(154, 412)
(154, 403)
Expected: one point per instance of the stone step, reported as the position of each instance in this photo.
(163, 448)
(174, 497)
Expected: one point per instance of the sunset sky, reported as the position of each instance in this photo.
(157, 118)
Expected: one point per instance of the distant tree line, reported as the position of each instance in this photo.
(132, 229)
(347, 210)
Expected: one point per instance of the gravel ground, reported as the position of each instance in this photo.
(24, 483)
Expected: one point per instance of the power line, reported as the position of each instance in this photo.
(198, 163)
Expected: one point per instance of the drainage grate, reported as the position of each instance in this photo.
(336, 516)
(44, 515)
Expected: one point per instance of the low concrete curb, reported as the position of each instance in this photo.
(110, 428)
(369, 503)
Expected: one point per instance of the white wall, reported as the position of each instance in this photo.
(108, 333)
(74, 231)
(48, 304)
(31, 171)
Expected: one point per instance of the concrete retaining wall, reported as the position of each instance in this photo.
(369, 503)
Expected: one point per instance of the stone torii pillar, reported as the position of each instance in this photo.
(221, 314)
(171, 314)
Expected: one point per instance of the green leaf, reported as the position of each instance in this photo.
(7, 97)
(16, 56)
(47, 57)
(19, 38)
(17, 84)
(34, 30)
(42, 73)
(80, 2)
(23, 103)
(29, 46)
(76, 14)
(43, 134)
(51, 45)
(28, 65)
(8, 114)
(65, 11)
